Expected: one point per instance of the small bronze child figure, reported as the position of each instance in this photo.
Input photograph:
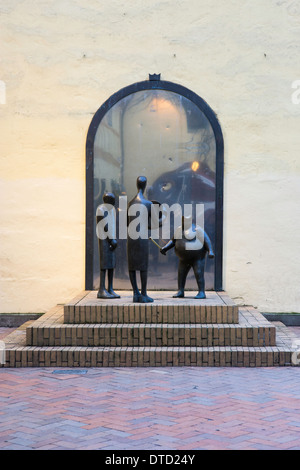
(107, 245)
(191, 244)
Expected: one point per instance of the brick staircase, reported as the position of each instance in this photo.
(89, 332)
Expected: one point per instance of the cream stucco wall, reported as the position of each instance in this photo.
(61, 60)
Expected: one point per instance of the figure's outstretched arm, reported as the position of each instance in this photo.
(167, 247)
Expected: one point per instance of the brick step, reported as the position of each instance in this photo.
(216, 308)
(20, 355)
(251, 330)
(151, 335)
(28, 356)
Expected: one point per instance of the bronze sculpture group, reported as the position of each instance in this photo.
(190, 241)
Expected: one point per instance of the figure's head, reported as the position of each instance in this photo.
(141, 183)
(109, 198)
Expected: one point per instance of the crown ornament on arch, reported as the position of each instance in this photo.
(154, 77)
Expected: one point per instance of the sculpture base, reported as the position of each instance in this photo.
(92, 332)
(216, 308)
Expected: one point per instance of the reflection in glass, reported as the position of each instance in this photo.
(167, 138)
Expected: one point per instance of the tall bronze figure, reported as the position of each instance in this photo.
(138, 244)
(107, 245)
(192, 244)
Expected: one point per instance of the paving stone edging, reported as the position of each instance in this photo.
(14, 320)
(288, 319)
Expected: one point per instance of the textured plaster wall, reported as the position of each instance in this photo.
(61, 60)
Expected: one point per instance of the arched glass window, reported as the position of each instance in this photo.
(170, 135)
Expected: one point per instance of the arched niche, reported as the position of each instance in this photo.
(169, 134)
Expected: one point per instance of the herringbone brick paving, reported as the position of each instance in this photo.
(154, 408)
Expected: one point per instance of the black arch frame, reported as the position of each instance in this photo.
(153, 83)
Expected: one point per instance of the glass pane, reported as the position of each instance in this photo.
(167, 138)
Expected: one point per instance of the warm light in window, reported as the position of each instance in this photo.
(161, 104)
(195, 166)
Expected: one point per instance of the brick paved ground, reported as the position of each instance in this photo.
(153, 409)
